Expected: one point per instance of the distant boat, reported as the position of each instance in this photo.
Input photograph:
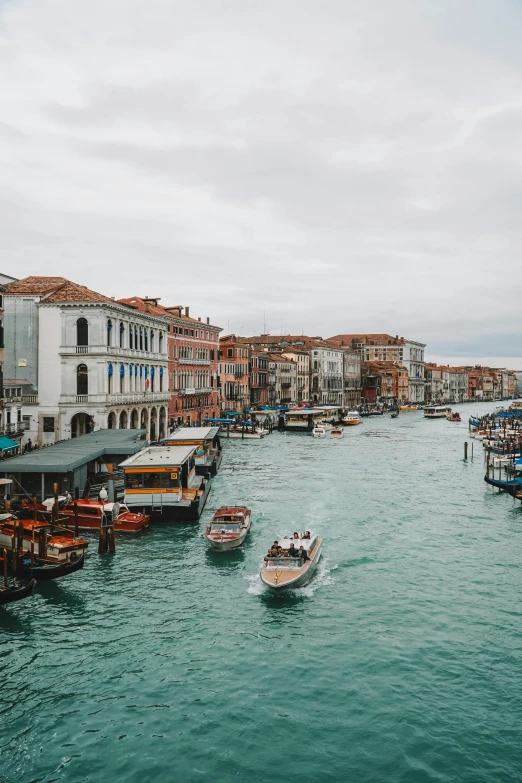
(352, 418)
(336, 432)
(319, 431)
(11, 593)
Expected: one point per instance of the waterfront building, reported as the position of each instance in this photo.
(193, 347)
(234, 373)
(302, 360)
(434, 383)
(384, 347)
(259, 385)
(91, 362)
(282, 376)
(384, 382)
(7, 422)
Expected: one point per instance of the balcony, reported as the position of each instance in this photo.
(16, 426)
(29, 399)
(194, 361)
(187, 390)
(129, 398)
(286, 385)
(114, 352)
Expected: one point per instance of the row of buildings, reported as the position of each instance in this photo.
(73, 360)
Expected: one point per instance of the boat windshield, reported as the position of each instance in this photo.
(287, 563)
(225, 527)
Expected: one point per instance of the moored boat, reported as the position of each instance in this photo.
(34, 548)
(437, 412)
(336, 432)
(9, 593)
(352, 418)
(285, 572)
(90, 513)
(319, 431)
(454, 417)
(228, 527)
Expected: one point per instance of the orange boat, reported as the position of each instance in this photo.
(90, 515)
(38, 551)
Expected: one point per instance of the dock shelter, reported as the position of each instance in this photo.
(70, 463)
(206, 442)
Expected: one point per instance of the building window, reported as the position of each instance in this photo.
(82, 333)
(141, 339)
(109, 377)
(151, 340)
(48, 424)
(122, 334)
(161, 342)
(109, 332)
(146, 339)
(130, 335)
(122, 378)
(82, 379)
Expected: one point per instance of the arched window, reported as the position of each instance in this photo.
(109, 332)
(122, 377)
(109, 377)
(130, 377)
(161, 379)
(131, 332)
(152, 374)
(141, 339)
(82, 379)
(135, 337)
(161, 342)
(122, 334)
(151, 340)
(82, 332)
(146, 339)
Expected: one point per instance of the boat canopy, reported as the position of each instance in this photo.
(218, 421)
(6, 444)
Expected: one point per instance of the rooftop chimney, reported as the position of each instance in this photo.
(199, 319)
(208, 320)
(187, 311)
(146, 305)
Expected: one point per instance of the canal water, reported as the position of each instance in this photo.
(399, 662)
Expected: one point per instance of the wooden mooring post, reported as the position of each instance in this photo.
(465, 451)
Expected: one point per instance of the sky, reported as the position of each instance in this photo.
(315, 167)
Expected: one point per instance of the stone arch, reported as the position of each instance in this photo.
(144, 419)
(82, 380)
(134, 418)
(81, 424)
(111, 421)
(123, 420)
(82, 332)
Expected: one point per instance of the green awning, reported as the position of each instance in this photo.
(6, 444)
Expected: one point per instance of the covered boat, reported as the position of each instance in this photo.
(336, 432)
(319, 431)
(228, 527)
(282, 573)
(34, 548)
(352, 418)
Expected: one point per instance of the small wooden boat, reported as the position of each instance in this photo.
(10, 593)
(395, 415)
(454, 417)
(319, 431)
(336, 432)
(34, 549)
(228, 527)
(351, 419)
(90, 514)
(282, 573)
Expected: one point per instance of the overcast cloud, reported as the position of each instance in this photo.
(340, 166)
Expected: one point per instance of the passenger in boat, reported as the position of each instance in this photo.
(67, 499)
(302, 553)
(292, 551)
(307, 534)
(296, 535)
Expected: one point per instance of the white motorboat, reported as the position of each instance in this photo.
(287, 571)
(337, 432)
(319, 431)
(352, 418)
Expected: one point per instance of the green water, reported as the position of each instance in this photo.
(399, 662)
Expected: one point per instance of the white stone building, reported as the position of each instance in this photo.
(93, 363)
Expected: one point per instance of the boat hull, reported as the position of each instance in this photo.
(44, 573)
(12, 594)
(225, 545)
(300, 579)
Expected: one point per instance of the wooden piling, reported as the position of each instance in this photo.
(6, 583)
(465, 451)
(75, 506)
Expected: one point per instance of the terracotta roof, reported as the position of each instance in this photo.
(72, 292)
(167, 312)
(369, 339)
(35, 285)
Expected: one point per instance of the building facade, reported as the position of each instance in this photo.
(259, 385)
(282, 375)
(234, 373)
(91, 362)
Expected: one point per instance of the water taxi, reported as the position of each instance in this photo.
(437, 411)
(206, 442)
(228, 527)
(408, 407)
(35, 550)
(90, 514)
(319, 431)
(454, 416)
(162, 481)
(331, 414)
(302, 419)
(337, 432)
(282, 573)
(352, 418)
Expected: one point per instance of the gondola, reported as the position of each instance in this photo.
(46, 571)
(10, 594)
